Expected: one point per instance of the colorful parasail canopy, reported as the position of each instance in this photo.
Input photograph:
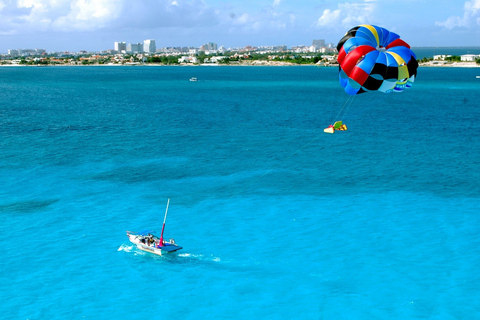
(372, 58)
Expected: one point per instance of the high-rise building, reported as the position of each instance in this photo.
(13, 52)
(135, 47)
(209, 47)
(149, 46)
(120, 46)
(320, 43)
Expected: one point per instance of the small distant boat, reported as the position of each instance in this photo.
(193, 79)
(148, 241)
(478, 77)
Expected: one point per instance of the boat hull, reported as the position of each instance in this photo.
(152, 247)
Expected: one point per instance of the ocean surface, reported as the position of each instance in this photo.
(429, 52)
(278, 219)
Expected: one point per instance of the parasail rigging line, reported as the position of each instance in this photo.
(340, 113)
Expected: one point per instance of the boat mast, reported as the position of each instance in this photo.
(163, 227)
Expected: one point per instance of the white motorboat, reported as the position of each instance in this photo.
(148, 241)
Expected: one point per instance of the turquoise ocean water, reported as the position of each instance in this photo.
(278, 220)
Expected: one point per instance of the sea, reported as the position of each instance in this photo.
(277, 219)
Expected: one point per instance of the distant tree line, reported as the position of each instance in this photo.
(163, 59)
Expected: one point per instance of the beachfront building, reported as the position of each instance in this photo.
(441, 56)
(188, 59)
(149, 46)
(469, 57)
(215, 60)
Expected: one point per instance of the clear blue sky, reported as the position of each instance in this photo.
(61, 25)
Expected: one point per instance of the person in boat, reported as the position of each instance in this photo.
(150, 240)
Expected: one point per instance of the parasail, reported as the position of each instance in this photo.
(372, 58)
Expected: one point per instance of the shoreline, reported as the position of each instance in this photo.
(463, 64)
(257, 63)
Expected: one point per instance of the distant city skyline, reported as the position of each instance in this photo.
(76, 25)
(148, 46)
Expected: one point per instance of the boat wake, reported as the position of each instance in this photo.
(125, 248)
(175, 258)
(198, 257)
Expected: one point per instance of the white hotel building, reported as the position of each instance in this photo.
(149, 46)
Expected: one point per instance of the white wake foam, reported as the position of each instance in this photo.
(125, 248)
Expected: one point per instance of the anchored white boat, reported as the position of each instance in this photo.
(148, 241)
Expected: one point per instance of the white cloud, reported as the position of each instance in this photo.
(328, 17)
(348, 14)
(29, 21)
(470, 18)
(24, 16)
(89, 14)
(28, 16)
(267, 19)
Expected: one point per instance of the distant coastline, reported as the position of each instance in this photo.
(430, 64)
(429, 52)
(450, 64)
(424, 55)
(463, 57)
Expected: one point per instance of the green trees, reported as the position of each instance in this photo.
(424, 59)
(453, 58)
(201, 57)
(163, 59)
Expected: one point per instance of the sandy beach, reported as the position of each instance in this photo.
(463, 64)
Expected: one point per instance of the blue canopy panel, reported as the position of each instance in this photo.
(343, 78)
(369, 33)
(353, 43)
(170, 247)
(403, 52)
(383, 35)
(392, 36)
